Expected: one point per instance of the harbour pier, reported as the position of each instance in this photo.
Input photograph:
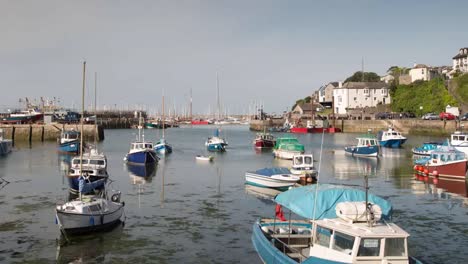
(46, 132)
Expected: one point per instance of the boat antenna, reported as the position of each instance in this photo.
(81, 120)
(317, 184)
(369, 209)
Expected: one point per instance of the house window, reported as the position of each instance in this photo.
(366, 91)
(355, 98)
(339, 99)
(375, 98)
(422, 71)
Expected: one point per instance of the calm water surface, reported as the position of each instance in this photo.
(196, 212)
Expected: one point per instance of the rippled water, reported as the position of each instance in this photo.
(198, 212)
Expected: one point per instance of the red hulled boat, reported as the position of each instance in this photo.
(264, 140)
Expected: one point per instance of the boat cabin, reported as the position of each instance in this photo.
(342, 241)
(390, 134)
(141, 145)
(68, 136)
(446, 154)
(265, 136)
(458, 138)
(367, 141)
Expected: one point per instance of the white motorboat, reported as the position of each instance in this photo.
(204, 158)
(89, 214)
(271, 178)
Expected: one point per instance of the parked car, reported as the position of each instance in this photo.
(464, 117)
(383, 115)
(430, 116)
(446, 116)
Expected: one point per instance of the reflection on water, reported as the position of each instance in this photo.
(264, 194)
(442, 187)
(141, 174)
(203, 212)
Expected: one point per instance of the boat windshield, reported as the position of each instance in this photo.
(369, 247)
(97, 162)
(395, 247)
(72, 136)
(298, 161)
(343, 243)
(77, 161)
(308, 160)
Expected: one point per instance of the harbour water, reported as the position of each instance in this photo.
(200, 212)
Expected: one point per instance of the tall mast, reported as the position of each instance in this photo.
(217, 97)
(191, 106)
(163, 121)
(95, 113)
(81, 120)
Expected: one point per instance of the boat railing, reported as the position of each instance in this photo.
(291, 250)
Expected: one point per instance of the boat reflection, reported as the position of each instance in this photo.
(89, 248)
(349, 167)
(443, 187)
(141, 174)
(266, 195)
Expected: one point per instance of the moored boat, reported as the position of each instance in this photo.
(390, 138)
(264, 140)
(426, 148)
(216, 143)
(141, 151)
(5, 144)
(162, 147)
(343, 226)
(446, 162)
(204, 158)
(30, 115)
(366, 147)
(303, 165)
(276, 177)
(69, 141)
(287, 148)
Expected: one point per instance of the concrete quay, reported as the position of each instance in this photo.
(46, 132)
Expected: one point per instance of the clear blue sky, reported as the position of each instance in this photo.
(269, 51)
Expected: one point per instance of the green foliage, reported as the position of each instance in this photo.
(462, 83)
(368, 77)
(431, 95)
(302, 101)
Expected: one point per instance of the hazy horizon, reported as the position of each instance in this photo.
(270, 52)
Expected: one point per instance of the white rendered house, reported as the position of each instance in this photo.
(353, 95)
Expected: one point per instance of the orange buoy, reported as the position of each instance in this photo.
(426, 171)
(435, 181)
(435, 173)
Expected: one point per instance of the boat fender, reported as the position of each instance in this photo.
(123, 203)
(91, 221)
(102, 219)
(115, 197)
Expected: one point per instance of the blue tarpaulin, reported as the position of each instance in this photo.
(301, 200)
(272, 171)
(87, 187)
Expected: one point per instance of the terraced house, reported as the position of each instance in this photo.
(356, 95)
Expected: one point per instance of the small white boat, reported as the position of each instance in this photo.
(303, 164)
(271, 178)
(89, 214)
(204, 158)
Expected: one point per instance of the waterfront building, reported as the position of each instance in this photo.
(354, 95)
(460, 61)
(422, 72)
(325, 94)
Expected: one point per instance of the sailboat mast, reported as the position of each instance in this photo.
(95, 113)
(163, 121)
(217, 97)
(81, 120)
(191, 106)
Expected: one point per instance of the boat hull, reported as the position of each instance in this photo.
(163, 149)
(284, 154)
(5, 147)
(142, 157)
(269, 182)
(299, 130)
(73, 223)
(218, 147)
(392, 143)
(264, 143)
(69, 147)
(454, 170)
(199, 122)
(364, 151)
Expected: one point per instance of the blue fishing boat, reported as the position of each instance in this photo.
(390, 138)
(343, 225)
(216, 143)
(141, 151)
(5, 144)
(162, 147)
(69, 141)
(426, 148)
(366, 147)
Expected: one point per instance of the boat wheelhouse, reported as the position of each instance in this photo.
(287, 148)
(390, 138)
(459, 140)
(366, 147)
(303, 164)
(93, 167)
